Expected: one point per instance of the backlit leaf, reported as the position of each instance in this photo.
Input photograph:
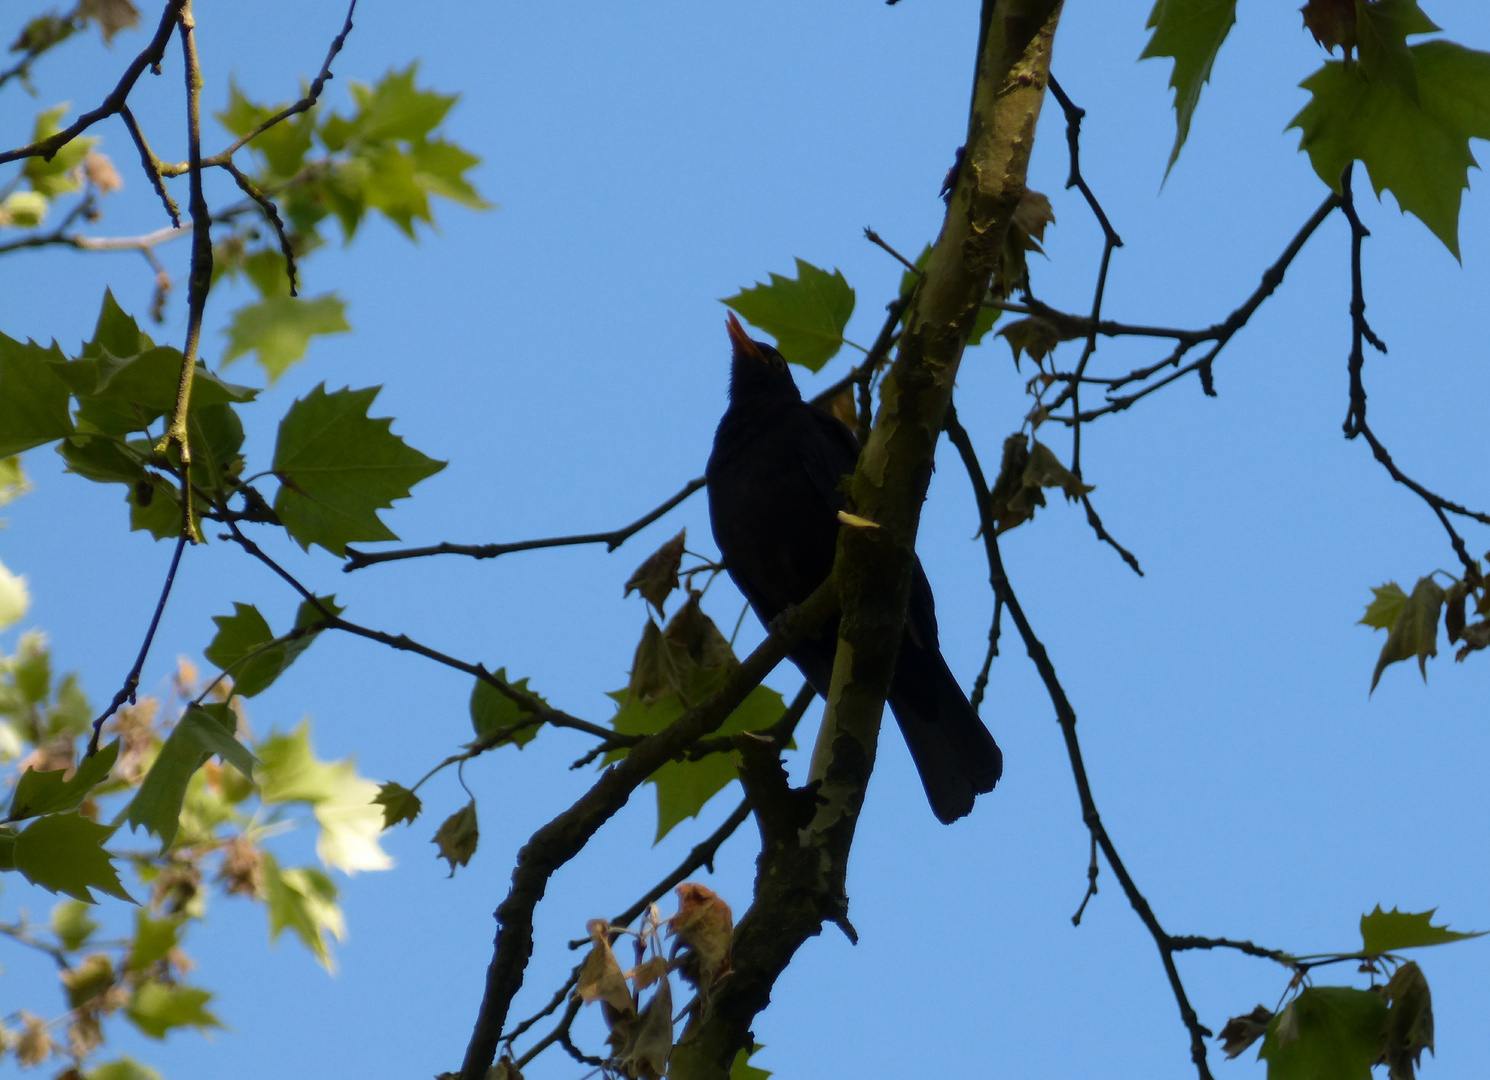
(278, 329)
(806, 314)
(33, 400)
(1326, 1033)
(48, 793)
(1415, 630)
(65, 853)
(156, 1008)
(491, 710)
(398, 803)
(337, 467)
(201, 732)
(457, 836)
(1192, 32)
(1389, 931)
(303, 900)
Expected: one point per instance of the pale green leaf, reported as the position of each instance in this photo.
(278, 329)
(156, 1008)
(1389, 931)
(1192, 32)
(65, 853)
(806, 314)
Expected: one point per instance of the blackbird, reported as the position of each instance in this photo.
(773, 501)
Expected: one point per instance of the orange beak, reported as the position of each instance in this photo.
(741, 340)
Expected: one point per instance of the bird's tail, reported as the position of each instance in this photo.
(954, 753)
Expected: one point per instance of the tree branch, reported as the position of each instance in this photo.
(356, 560)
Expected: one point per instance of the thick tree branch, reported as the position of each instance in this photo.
(566, 835)
(801, 876)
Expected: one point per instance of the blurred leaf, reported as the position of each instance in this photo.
(304, 901)
(33, 400)
(284, 146)
(1192, 32)
(600, 977)
(156, 1008)
(491, 710)
(39, 793)
(1416, 148)
(123, 1069)
(71, 923)
(1326, 1033)
(1382, 612)
(110, 15)
(394, 108)
(1241, 1032)
(153, 940)
(806, 314)
(1389, 931)
(15, 599)
(65, 853)
(743, 1070)
(343, 802)
(12, 480)
(457, 836)
(1415, 630)
(337, 467)
(440, 167)
(201, 732)
(398, 803)
(55, 177)
(24, 209)
(278, 329)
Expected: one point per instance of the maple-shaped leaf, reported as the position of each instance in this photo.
(47, 792)
(1326, 1033)
(338, 467)
(303, 900)
(156, 1008)
(1414, 632)
(202, 731)
(64, 853)
(124, 1068)
(457, 836)
(1383, 610)
(33, 399)
(1192, 32)
(1415, 147)
(278, 329)
(56, 176)
(806, 314)
(243, 648)
(398, 803)
(1388, 931)
(743, 1070)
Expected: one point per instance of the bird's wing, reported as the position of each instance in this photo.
(829, 452)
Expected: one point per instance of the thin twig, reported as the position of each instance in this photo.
(149, 57)
(1066, 717)
(356, 560)
(271, 214)
(980, 685)
(132, 680)
(878, 240)
(1355, 420)
(151, 164)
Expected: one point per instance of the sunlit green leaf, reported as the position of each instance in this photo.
(1389, 931)
(1416, 148)
(337, 467)
(201, 732)
(1192, 32)
(277, 330)
(65, 853)
(806, 314)
(72, 924)
(55, 177)
(33, 400)
(122, 1069)
(303, 900)
(48, 793)
(153, 940)
(343, 802)
(242, 647)
(156, 1007)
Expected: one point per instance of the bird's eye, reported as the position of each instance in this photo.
(778, 363)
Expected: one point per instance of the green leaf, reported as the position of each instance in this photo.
(155, 507)
(201, 732)
(1382, 29)
(440, 167)
(154, 939)
(395, 108)
(741, 1069)
(685, 787)
(337, 467)
(156, 1008)
(398, 803)
(1389, 931)
(806, 314)
(304, 901)
(284, 146)
(48, 793)
(343, 802)
(492, 710)
(1409, 1021)
(123, 1069)
(116, 332)
(54, 177)
(1192, 32)
(1382, 612)
(1326, 1033)
(72, 924)
(104, 459)
(12, 480)
(457, 836)
(278, 329)
(242, 647)
(389, 184)
(1418, 149)
(33, 400)
(1414, 631)
(216, 436)
(64, 853)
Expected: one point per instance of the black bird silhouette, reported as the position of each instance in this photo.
(773, 502)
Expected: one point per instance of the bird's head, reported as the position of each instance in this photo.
(757, 370)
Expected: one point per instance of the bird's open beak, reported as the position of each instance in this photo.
(741, 340)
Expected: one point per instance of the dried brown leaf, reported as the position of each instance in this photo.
(1241, 1032)
(600, 977)
(657, 577)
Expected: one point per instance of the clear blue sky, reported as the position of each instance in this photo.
(566, 354)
